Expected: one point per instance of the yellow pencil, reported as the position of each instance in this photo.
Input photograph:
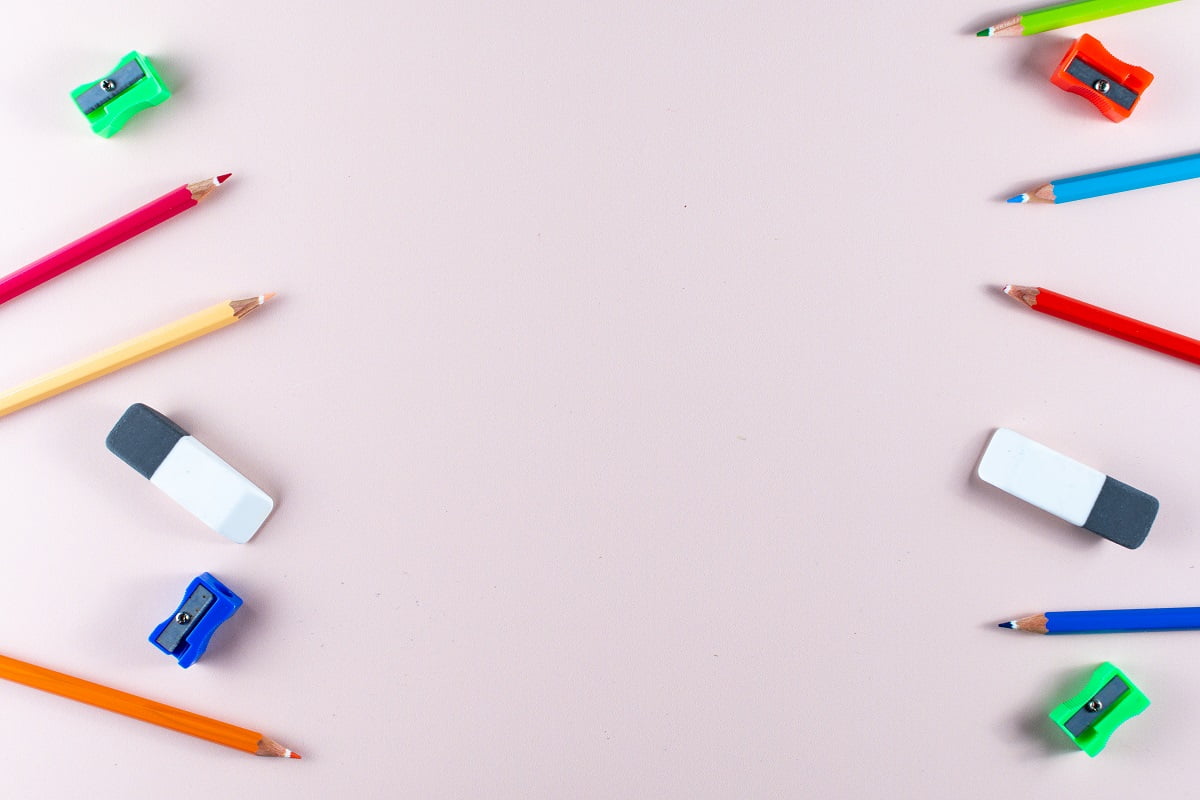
(130, 352)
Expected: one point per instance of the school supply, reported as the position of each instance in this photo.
(1067, 489)
(102, 239)
(141, 708)
(1090, 717)
(1111, 181)
(189, 473)
(130, 352)
(1064, 14)
(1105, 321)
(207, 604)
(1126, 620)
(1102, 79)
(132, 86)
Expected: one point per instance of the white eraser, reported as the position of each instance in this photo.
(1040, 476)
(191, 474)
(1067, 489)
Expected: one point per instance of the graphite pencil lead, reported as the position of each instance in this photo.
(1035, 623)
(1026, 294)
(1009, 27)
(202, 189)
(273, 749)
(243, 307)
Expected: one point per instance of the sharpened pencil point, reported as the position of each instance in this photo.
(1023, 197)
(294, 754)
(1007, 625)
(222, 178)
(985, 32)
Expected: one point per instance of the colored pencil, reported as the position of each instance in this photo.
(130, 352)
(1064, 14)
(1111, 181)
(1126, 620)
(1105, 321)
(141, 708)
(103, 239)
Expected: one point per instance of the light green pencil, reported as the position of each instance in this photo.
(1064, 14)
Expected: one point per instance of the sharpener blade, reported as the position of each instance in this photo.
(186, 618)
(1085, 718)
(120, 80)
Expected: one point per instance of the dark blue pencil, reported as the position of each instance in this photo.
(1125, 620)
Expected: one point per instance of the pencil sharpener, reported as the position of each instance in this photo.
(207, 603)
(1096, 75)
(1091, 716)
(132, 86)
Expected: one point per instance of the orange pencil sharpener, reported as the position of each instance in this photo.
(1095, 74)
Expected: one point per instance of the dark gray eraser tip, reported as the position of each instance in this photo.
(1122, 514)
(143, 437)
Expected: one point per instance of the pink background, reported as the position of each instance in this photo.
(621, 400)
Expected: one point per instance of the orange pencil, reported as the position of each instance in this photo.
(141, 708)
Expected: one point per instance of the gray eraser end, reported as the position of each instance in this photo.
(1122, 514)
(143, 437)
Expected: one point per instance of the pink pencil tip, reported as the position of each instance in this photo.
(222, 178)
(267, 296)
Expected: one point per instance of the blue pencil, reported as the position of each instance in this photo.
(1126, 620)
(1111, 181)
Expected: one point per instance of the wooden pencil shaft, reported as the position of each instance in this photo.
(1117, 325)
(1125, 620)
(124, 354)
(104, 238)
(130, 705)
(1124, 179)
(1073, 13)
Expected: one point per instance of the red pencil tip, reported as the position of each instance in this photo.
(294, 755)
(222, 178)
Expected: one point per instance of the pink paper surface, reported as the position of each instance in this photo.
(621, 400)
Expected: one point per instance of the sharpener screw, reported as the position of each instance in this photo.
(108, 84)
(184, 618)
(1094, 705)
(1102, 86)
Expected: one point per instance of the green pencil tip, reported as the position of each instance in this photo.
(985, 32)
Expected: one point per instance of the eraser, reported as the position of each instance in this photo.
(191, 474)
(185, 634)
(1067, 489)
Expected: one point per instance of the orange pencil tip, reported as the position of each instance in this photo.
(222, 178)
(294, 755)
(267, 296)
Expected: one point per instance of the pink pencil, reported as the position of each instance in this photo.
(111, 235)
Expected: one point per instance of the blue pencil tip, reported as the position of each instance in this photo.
(1006, 625)
(1021, 198)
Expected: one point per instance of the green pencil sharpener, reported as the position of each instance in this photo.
(132, 86)
(1091, 716)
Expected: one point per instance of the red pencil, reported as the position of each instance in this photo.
(1105, 321)
(111, 235)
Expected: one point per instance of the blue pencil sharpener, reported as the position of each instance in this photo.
(206, 604)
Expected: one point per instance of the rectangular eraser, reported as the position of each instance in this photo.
(191, 474)
(1067, 489)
